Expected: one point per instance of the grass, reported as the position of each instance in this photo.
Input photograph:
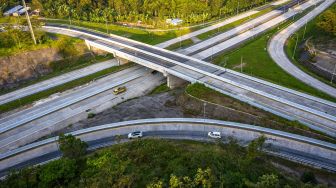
(181, 44)
(316, 34)
(49, 43)
(258, 63)
(62, 67)
(69, 85)
(149, 37)
(160, 89)
(266, 119)
(227, 27)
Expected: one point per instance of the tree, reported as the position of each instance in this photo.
(268, 181)
(71, 147)
(327, 21)
(308, 177)
(158, 184)
(253, 149)
(58, 173)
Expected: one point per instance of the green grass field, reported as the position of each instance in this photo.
(181, 44)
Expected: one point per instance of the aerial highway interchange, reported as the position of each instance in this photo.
(185, 65)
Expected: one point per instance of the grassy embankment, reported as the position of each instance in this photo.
(258, 63)
(147, 162)
(315, 34)
(160, 89)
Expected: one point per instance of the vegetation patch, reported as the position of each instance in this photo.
(160, 89)
(180, 44)
(157, 163)
(16, 39)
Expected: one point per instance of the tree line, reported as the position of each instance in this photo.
(147, 11)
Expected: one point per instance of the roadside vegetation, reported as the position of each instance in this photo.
(16, 39)
(160, 89)
(180, 44)
(321, 30)
(252, 58)
(69, 85)
(156, 163)
(260, 117)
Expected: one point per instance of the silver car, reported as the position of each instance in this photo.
(136, 134)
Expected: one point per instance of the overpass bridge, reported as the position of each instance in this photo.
(316, 113)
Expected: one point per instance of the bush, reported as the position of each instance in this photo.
(308, 177)
(91, 115)
(67, 47)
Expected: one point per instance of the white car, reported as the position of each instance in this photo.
(213, 134)
(136, 134)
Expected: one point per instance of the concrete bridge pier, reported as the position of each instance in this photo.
(175, 82)
(121, 61)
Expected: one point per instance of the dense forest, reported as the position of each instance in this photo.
(154, 163)
(147, 11)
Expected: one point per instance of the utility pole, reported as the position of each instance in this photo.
(106, 25)
(297, 38)
(29, 23)
(333, 74)
(237, 7)
(304, 32)
(28, 20)
(241, 64)
(69, 15)
(179, 29)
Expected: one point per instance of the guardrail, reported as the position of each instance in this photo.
(165, 124)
